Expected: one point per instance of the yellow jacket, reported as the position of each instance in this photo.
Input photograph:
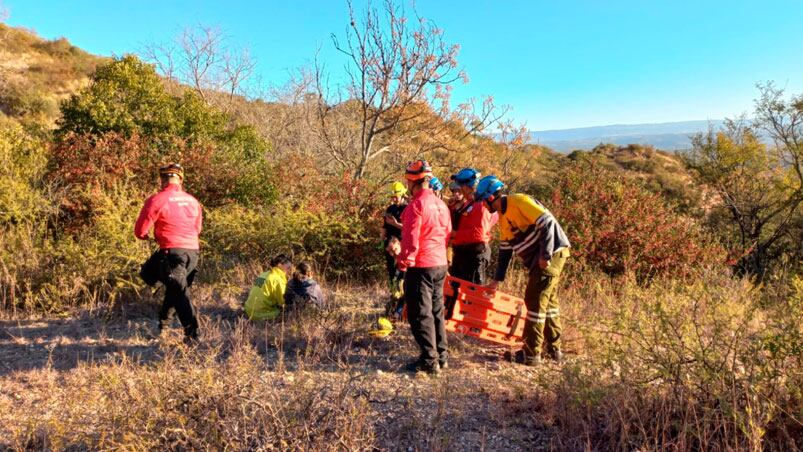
(520, 214)
(529, 230)
(266, 298)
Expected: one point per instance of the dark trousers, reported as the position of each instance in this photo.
(395, 279)
(423, 291)
(394, 274)
(179, 269)
(470, 262)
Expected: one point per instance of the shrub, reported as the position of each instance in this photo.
(618, 226)
(125, 124)
(680, 365)
(22, 162)
(339, 245)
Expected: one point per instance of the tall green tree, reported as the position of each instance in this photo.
(127, 108)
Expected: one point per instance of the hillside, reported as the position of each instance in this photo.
(661, 171)
(669, 136)
(664, 345)
(36, 75)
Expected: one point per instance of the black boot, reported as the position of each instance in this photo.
(422, 366)
(522, 358)
(556, 355)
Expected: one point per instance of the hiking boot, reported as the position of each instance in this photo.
(555, 355)
(522, 358)
(422, 366)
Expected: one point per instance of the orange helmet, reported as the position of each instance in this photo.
(418, 170)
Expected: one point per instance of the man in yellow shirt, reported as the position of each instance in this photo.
(266, 299)
(529, 230)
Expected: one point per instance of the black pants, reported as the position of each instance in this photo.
(470, 262)
(179, 269)
(423, 290)
(395, 279)
(390, 265)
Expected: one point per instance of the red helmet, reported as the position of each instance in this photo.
(418, 170)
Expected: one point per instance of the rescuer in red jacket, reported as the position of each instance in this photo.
(426, 226)
(176, 218)
(471, 224)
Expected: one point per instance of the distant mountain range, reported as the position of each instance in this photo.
(668, 136)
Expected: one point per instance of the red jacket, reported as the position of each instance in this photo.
(175, 216)
(474, 224)
(426, 226)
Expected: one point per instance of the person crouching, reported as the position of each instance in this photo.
(266, 298)
(302, 291)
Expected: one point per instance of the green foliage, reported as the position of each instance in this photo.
(22, 162)
(49, 272)
(759, 197)
(126, 96)
(125, 124)
(339, 245)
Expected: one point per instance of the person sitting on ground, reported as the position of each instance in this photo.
(302, 290)
(266, 299)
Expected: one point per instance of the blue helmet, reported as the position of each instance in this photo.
(435, 184)
(487, 187)
(467, 176)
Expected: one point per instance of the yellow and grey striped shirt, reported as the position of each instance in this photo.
(528, 229)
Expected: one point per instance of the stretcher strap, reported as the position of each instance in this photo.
(515, 321)
(451, 301)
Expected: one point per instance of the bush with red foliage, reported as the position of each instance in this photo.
(618, 226)
(82, 164)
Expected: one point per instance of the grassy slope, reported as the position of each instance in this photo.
(35, 74)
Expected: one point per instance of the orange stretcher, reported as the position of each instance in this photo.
(483, 313)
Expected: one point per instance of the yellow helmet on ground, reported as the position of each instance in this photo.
(384, 327)
(397, 189)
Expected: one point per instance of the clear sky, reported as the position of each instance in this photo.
(557, 63)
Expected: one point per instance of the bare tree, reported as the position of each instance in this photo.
(400, 73)
(202, 58)
(783, 122)
(514, 140)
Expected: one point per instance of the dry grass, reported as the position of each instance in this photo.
(694, 365)
(311, 382)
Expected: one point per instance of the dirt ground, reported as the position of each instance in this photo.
(480, 403)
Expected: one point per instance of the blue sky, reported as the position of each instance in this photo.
(557, 63)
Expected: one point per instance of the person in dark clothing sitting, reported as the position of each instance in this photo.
(302, 290)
